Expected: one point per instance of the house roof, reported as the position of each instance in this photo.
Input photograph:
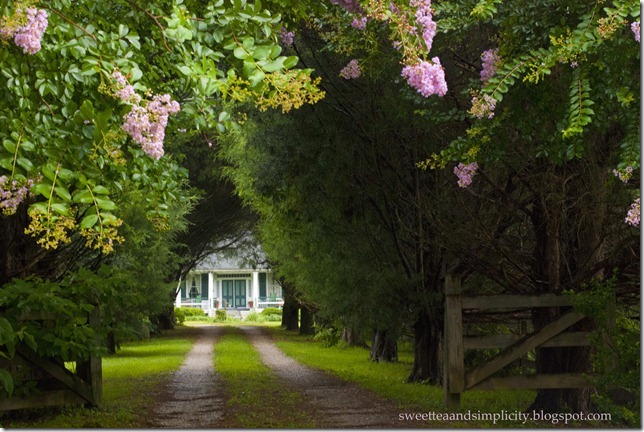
(221, 261)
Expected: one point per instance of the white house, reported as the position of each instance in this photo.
(220, 282)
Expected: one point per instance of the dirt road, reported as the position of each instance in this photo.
(195, 396)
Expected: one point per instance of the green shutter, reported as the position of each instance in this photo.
(262, 284)
(182, 286)
(204, 286)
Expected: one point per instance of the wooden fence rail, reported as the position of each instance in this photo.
(458, 380)
(58, 385)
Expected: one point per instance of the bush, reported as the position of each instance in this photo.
(179, 315)
(329, 336)
(272, 317)
(272, 311)
(183, 314)
(255, 317)
(220, 315)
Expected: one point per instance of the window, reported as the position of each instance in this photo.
(194, 292)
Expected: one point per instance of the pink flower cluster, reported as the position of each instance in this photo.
(624, 174)
(483, 106)
(491, 61)
(12, 193)
(359, 23)
(123, 90)
(351, 70)
(427, 78)
(425, 20)
(351, 6)
(146, 124)
(633, 216)
(287, 37)
(635, 28)
(28, 36)
(465, 173)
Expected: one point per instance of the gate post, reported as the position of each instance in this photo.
(91, 370)
(454, 364)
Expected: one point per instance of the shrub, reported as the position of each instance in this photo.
(329, 336)
(272, 311)
(255, 317)
(272, 317)
(179, 315)
(220, 315)
(183, 314)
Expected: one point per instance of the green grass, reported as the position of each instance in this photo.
(128, 377)
(256, 397)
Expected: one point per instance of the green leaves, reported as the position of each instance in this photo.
(579, 111)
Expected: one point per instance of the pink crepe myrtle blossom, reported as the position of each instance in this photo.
(483, 106)
(351, 70)
(27, 36)
(287, 37)
(635, 28)
(123, 90)
(491, 62)
(427, 78)
(465, 173)
(146, 124)
(425, 20)
(12, 193)
(633, 216)
(624, 174)
(359, 23)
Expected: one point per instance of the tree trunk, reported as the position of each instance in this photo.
(15, 245)
(428, 350)
(352, 337)
(561, 360)
(290, 310)
(562, 261)
(384, 347)
(165, 320)
(306, 321)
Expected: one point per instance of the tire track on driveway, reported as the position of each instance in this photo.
(194, 396)
(334, 403)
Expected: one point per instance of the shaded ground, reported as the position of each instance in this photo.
(332, 402)
(194, 397)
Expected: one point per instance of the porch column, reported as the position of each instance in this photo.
(210, 293)
(220, 293)
(177, 301)
(254, 289)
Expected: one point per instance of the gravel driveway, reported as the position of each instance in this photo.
(194, 397)
(333, 402)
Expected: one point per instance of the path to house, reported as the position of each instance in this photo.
(193, 397)
(332, 402)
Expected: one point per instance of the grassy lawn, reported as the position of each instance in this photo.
(128, 377)
(256, 398)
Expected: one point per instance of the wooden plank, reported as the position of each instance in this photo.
(454, 334)
(43, 399)
(537, 381)
(74, 383)
(520, 348)
(91, 370)
(508, 301)
(504, 340)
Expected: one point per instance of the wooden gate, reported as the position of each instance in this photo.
(55, 384)
(457, 380)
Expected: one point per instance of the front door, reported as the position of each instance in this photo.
(240, 293)
(233, 293)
